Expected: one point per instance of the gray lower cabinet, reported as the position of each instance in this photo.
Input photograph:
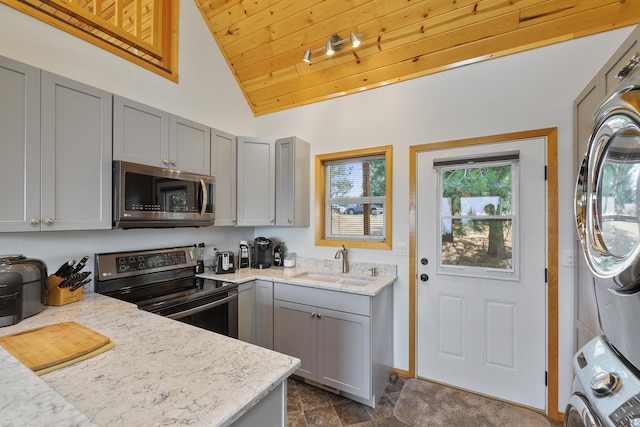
(223, 168)
(264, 313)
(256, 181)
(255, 313)
(246, 312)
(292, 182)
(343, 340)
(149, 136)
(56, 152)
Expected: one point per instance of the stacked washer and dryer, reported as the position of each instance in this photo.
(606, 387)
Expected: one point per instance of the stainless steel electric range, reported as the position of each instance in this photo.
(163, 281)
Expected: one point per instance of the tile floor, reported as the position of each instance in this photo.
(309, 406)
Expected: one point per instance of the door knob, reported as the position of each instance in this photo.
(424, 261)
(424, 277)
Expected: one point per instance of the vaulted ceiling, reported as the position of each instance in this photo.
(264, 41)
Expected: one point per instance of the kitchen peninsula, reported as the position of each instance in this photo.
(161, 372)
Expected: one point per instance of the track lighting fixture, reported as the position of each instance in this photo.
(333, 45)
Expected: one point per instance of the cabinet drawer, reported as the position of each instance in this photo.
(334, 300)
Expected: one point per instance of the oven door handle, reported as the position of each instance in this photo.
(203, 307)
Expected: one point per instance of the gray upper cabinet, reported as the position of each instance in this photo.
(223, 168)
(584, 107)
(189, 146)
(76, 155)
(256, 182)
(20, 146)
(146, 135)
(140, 133)
(56, 151)
(292, 182)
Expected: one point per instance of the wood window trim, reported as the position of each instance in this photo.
(320, 191)
(164, 52)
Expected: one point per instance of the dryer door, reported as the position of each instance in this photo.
(612, 229)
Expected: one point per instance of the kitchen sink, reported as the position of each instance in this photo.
(359, 281)
(337, 278)
(318, 277)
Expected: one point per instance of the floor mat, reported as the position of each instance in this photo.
(425, 404)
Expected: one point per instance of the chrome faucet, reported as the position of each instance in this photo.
(343, 253)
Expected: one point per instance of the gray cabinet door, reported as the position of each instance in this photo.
(256, 182)
(246, 310)
(344, 356)
(140, 133)
(292, 182)
(76, 155)
(223, 168)
(296, 335)
(264, 314)
(19, 146)
(189, 146)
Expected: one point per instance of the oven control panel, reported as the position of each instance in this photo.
(149, 261)
(124, 264)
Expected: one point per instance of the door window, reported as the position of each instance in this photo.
(478, 232)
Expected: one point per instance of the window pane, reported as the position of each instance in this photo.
(477, 243)
(478, 190)
(357, 178)
(476, 216)
(350, 220)
(357, 189)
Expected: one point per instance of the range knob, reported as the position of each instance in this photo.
(605, 383)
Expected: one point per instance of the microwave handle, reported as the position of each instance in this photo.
(205, 197)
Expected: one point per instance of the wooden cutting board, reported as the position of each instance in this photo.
(54, 346)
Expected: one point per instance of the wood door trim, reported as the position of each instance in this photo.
(551, 139)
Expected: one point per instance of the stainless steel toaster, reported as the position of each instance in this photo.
(225, 262)
(23, 290)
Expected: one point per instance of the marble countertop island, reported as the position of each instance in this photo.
(161, 372)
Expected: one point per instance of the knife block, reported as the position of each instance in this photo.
(60, 296)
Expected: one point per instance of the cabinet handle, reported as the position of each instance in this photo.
(166, 162)
(34, 221)
(173, 162)
(272, 220)
(313, 315)
(319, 316)
(290, 220)
(48, 221)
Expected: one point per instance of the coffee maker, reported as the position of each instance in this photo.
(263, 253)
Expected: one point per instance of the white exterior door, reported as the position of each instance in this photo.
(481, 266)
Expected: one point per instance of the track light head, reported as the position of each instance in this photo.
(355, 41)
(307, 56)
(334, 44)
(329, 49)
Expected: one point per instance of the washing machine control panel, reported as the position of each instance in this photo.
(610, 387)
(627, 414)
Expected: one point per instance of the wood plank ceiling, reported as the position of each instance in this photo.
(264, 41)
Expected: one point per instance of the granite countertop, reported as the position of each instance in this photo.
(161, 372)
(371, 285)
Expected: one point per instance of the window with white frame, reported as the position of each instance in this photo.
(478, 216)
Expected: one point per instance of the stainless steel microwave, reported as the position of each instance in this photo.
(152, 197)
